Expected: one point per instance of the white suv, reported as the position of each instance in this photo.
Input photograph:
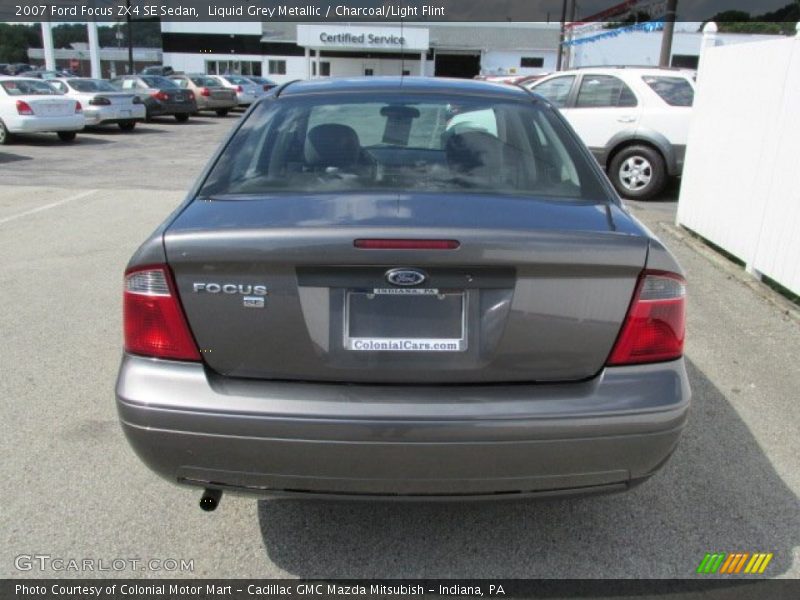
(634, 120)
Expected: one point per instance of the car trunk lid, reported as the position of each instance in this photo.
(276, 287)
(49, 106)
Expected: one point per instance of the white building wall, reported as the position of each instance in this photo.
(642, 48)
(502, 62)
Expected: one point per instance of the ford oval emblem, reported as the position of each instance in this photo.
(405, 277)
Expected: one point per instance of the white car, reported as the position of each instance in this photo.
(634, 120)
(247, 91)
(30, 105)
(102, 102)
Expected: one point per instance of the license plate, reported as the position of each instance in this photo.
(377, 321)
(178, 98)
(124, 113)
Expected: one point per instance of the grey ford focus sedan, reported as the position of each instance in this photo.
(403, 287)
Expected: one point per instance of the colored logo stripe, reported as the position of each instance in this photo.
(734, 562)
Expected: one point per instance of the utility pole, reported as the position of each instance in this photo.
(573, 11)
(130, 37)
(669, 30)
(560, 56)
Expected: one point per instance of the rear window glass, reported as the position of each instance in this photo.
(91, 85)
(158, 82)
(206, 82)
(675, 91)
(414, 144)
(236, 80)
(29, 87)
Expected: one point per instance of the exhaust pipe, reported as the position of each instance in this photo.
(210, 499)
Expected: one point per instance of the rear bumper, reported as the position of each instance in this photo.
(283, 437)
(36, 124)
(213, 104)
(157, 109)
(113, 114)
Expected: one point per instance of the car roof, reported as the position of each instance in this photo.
(13, 78)
(662, 71)
(405, 85)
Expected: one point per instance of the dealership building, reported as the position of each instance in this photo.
(285, 51)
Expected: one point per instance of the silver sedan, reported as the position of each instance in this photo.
(102, 103)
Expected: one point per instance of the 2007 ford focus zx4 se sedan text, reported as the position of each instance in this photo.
(406, 288)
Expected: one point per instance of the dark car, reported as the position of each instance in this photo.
(45, 74)
(160, 95)
(158, 70)
(4, 69)
(403, 287)
(18, 68)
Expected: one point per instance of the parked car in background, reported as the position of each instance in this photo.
(18, 68)
(209, 93)
(45, 74)
(160, 95)
(403, 287)
(30, 105)
(247, 91)
(158, 70)
(634, 120)
(266, 84)
(511, 79)
(4, 69)
(103, 103)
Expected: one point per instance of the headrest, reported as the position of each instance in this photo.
(473, 151)
(332, 145)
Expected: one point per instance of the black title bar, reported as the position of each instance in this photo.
(380, 10)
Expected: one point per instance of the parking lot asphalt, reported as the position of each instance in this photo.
(70, 217)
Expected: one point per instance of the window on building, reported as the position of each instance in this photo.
(406, 72)
(675, 91)
(598, 91)
(685, 61)
(531, 62)
(556, 90)
(369, 72)
(233, 67)
(277, 67)
(324, 69)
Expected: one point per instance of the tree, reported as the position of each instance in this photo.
(778, 22)
(15, 41)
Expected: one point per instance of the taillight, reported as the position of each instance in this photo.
(160, 96)
(79, 108)
(205, 92)
(154, 322)
(99, 101)
(239, 88)
(654, 328)
(191, 95)
(24, 108)
(268, 87)
(395, 244)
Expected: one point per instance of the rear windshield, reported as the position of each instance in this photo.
(236, 80)
(205, 82)
(91, 85)
(155, 81)
(675, 91)
(411, 144)
(28, 87)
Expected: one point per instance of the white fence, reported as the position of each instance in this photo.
(741, 180)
